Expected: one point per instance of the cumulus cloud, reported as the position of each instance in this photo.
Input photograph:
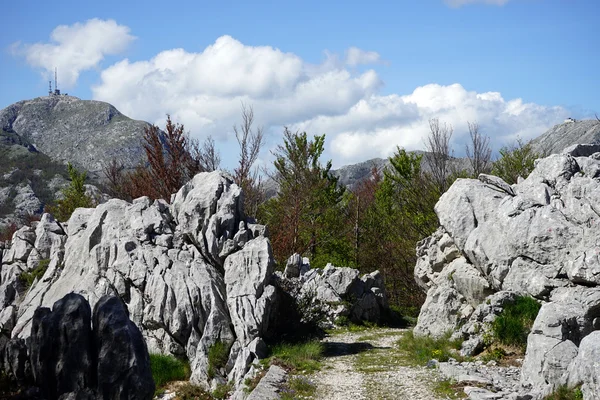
(205, 90)
(460, 3)
(356, 56)
(76, 48)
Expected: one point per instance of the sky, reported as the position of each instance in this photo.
(367, 74)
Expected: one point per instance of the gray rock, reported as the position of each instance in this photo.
(292, 266)
(269, 386)
(585, 369)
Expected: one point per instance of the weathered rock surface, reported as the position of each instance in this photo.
(191, 273)
(537, 238)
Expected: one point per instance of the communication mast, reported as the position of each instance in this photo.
(56, 90)
(49, 88)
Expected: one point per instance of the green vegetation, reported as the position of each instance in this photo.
(449, 389)
(37, 273)
(512, 326)
(494, 353)
(188, 391)
(298, 387)
(74, 196)
(566, 393)
(421, 349)
(299, 357)
(515, 160)
(167, 369)
(218, 354)
(222, 391)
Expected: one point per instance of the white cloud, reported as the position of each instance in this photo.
(75, 48)
(356, 56)
(205, 90)
(460, 3)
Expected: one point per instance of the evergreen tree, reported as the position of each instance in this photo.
(74, 196)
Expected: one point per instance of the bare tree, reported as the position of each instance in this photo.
(439, 152)
(478, 151)
(250, 141)
(206, 157)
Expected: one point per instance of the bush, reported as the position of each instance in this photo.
(298, 357)
(29, 277)
(564, 393)
(73, 196)
(167, 369)
(515, 160)
(421, 349)
(192, 392)
(513, 324)
(218, 354)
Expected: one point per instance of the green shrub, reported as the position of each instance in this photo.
(298, 387)
(515, 160)
(222, 391)
(192, 392)
(421, 349)
(494, 354)
(564, 393)
(74, 196)
(513, 324)
(168, 369)
(298, 357)
(218, 354)
(29, 277)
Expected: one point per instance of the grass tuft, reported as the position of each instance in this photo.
(218, 354)
(300, 357)
(167, 369)
(512, 326)
(188, 391)
(29, 277)
(565, 393)
(421, 349)
(298, 387)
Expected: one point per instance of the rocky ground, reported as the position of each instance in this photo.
(369, 365)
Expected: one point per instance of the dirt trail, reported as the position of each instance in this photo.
(367, 365)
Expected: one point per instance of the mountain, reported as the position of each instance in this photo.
(570, 132)
(87, 133)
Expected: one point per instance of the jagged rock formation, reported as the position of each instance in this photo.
(535, 238)
(191, 273)
(336, 292)
(68, 358)
(569, 133)
(87, 133)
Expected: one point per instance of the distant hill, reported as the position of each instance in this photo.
(561, 136)
(86, 133)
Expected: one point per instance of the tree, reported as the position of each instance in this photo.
(250, 141)
(74, 196)
(478, 151)
(173, 158)
(516, 160)
(305, 216)
(439, 153)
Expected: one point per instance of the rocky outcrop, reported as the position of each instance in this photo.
(68, 358)
(191, 273)
(536, 238)
(333, 292)
(567, 134)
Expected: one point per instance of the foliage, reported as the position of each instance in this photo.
(566, 393)
(7, 232)
(298, 387)
(222, 391)
(173, 158)
(516, 160)
(449, 389)
(167, 369)
(218, 354)
(301, 357)
(37, 273)
(421, 349)
(307, 216)
(189, 391)
(513, 324)
(74, 196)
(494, 354)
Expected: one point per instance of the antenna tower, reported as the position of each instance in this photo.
(56, 91)
(49, 88)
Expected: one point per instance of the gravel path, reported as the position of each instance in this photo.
(367, 365)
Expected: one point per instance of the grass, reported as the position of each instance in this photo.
(420, 350)
(449, 389)
(298, 387)
(299, 357)
(378, 360)
(222, 391)
(29, 277)
(512, 326)
(167, 369)
(218, 354)
(188, 391)
(564, 393)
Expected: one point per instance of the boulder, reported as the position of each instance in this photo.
(585, 369)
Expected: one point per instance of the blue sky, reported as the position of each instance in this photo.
(368, 74)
